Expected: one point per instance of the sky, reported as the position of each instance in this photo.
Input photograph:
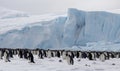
(54, 6)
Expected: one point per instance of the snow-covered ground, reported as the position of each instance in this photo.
(53, 64)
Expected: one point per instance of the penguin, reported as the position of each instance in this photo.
(40, 54)
(49, 54)
(15, 52)
(58, 54)
(84, 55)
(20, 53)
(25, 54)
(44, 53)
(64, 54)
(77, 54)
(106, 55)
(93, 56)
(69, 53)
(30, 57)
(33, 51)
(11, 53)
(117, 55)
(6, 56)
(97, 55)
(112, 55)
(69, 59)
(102, 57)
(52, 54)
(90, 56)
(72, 54)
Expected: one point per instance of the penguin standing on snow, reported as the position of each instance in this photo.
(90, 56)
(40, 54)
(64, 53)
(77, 54)
(102, 57)
(11, 53)
(6, 56)
(15, 51)
(69, 59)
(30, 57)
(49, 54)
(20, 53)
(44, 53)
(93, 56)
(25, 54)
(84, 54)
(58, 54)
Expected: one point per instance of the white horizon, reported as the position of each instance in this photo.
(53, 6)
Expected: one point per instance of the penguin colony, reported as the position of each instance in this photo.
(66, 55)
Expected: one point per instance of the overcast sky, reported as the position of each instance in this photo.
(51, 6)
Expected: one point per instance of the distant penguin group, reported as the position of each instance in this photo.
(66, 55)
(6, 54)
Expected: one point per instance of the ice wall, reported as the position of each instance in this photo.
(77, 29)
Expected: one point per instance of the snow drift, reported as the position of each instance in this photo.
(76, 29)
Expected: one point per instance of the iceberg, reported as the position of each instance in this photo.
(78, 28)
